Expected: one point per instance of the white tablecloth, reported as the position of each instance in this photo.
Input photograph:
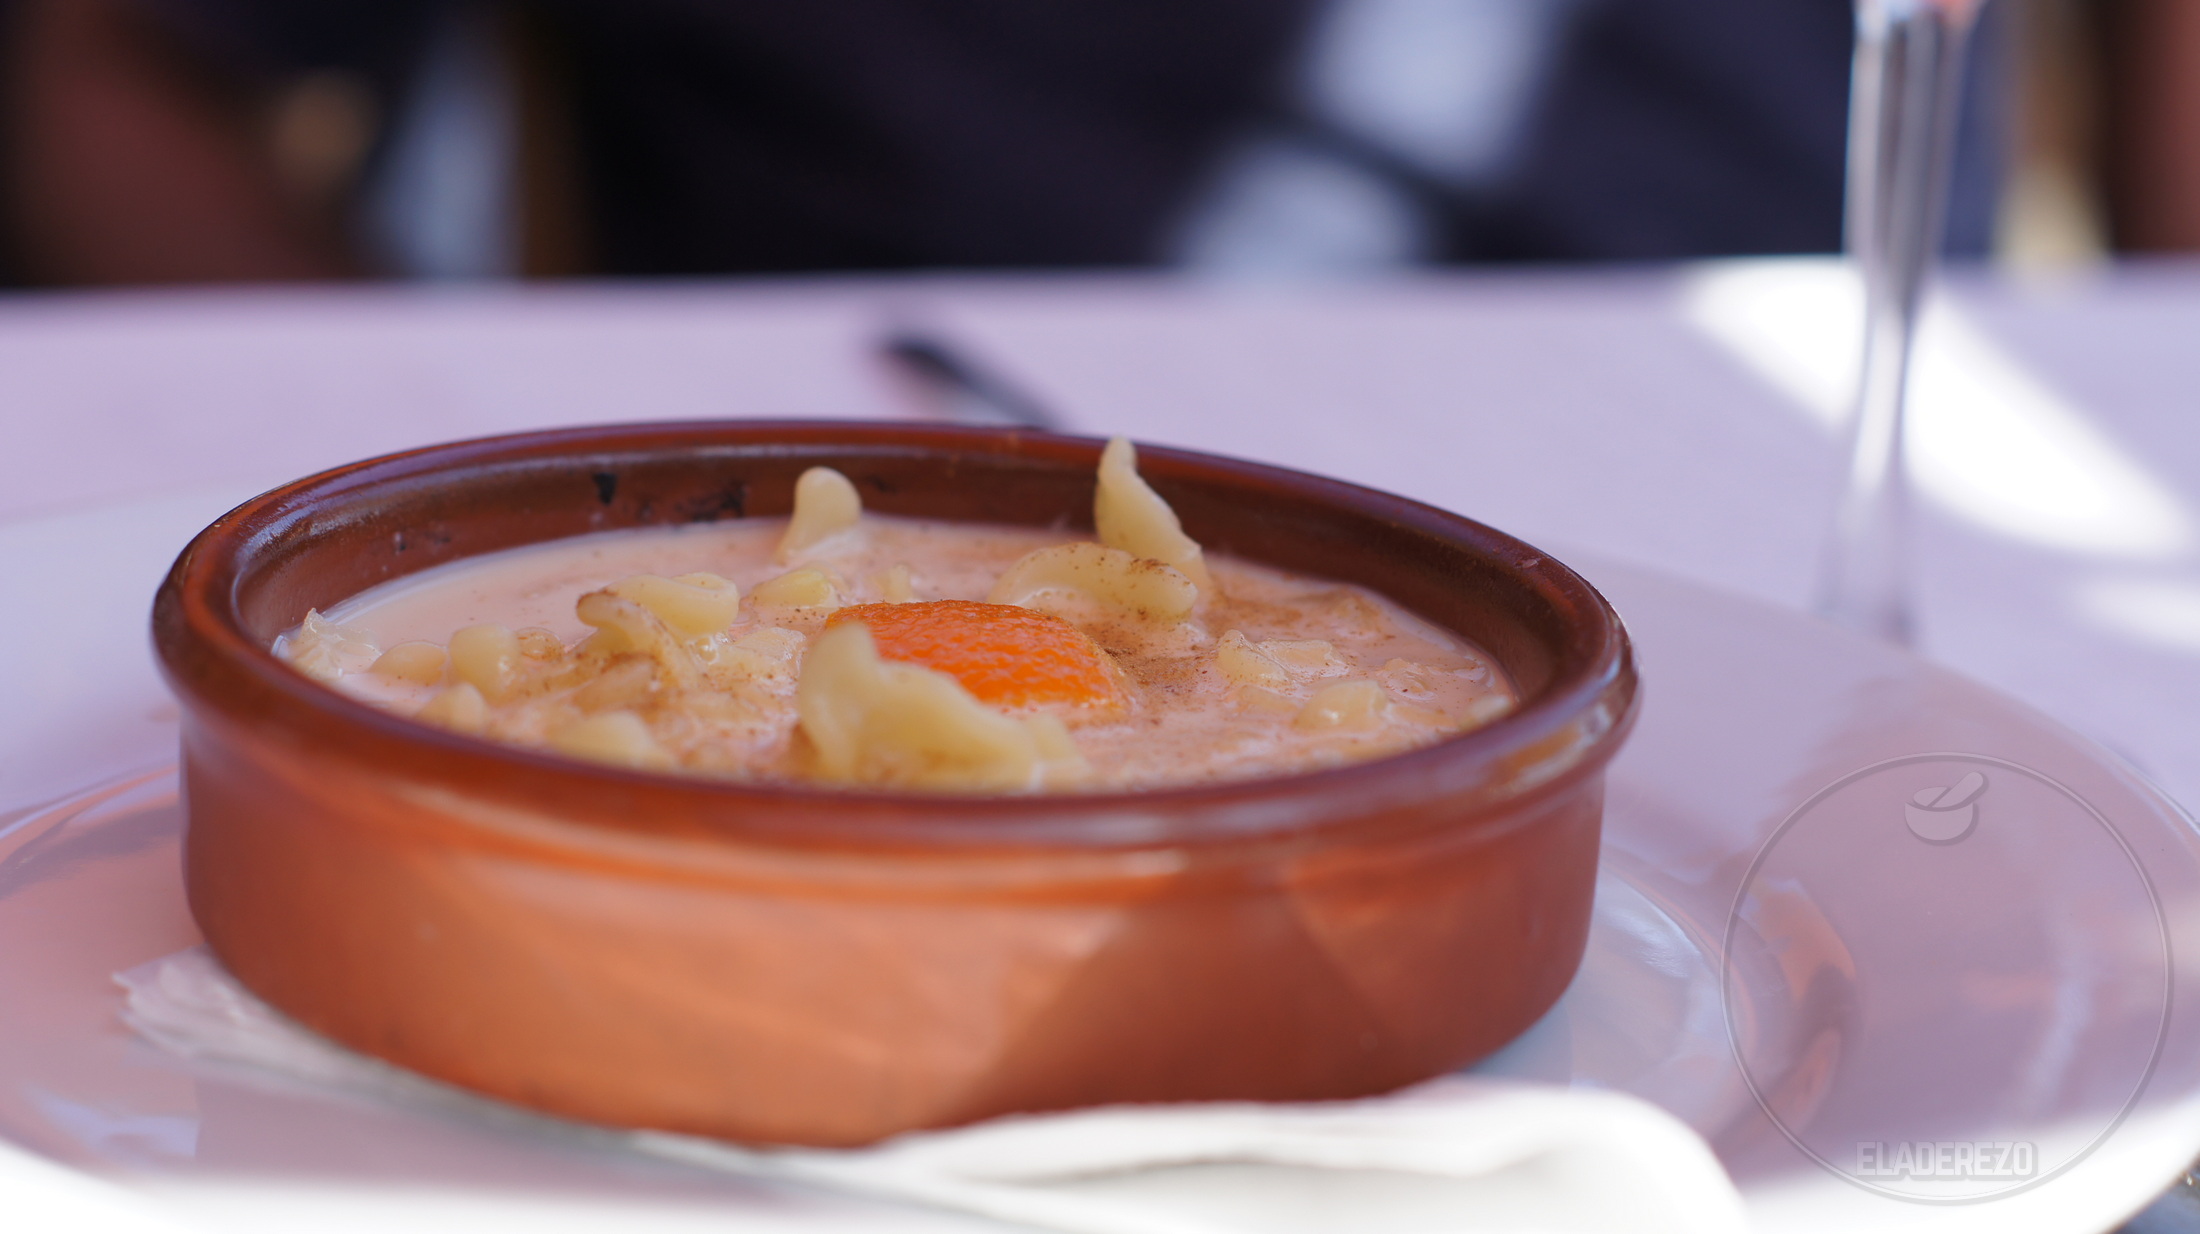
(1596, 410)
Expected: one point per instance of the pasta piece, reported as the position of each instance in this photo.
(1484, 708)
(1243, 663)
(895, 586)
(537, 643)
(418, 662)
(1424, 717)
(1408, 679)
(825, 504)
(326, 651)
(807, 587)
(460, 709)
(1139, 586)
(759, 655)
(617, 737)
(1263, 701)
(692, 605)
(1061, 763)
(1346, 704)
(629, 680)
(1130, 516)
(1304, 658)
(870, 721)
(625, 627)
(487, 658)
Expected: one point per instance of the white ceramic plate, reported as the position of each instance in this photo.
(1950, 925)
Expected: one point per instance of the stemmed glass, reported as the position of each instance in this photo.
(1905, 94)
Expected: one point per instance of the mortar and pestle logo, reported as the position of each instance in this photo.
(1945, 815)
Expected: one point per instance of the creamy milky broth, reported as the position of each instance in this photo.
(1267, 673)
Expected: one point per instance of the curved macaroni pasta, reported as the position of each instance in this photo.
(1136, 586)
(825, 504)
(870, 721)
(691, 604)
(1130, 516)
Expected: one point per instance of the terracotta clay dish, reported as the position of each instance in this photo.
(792, 964)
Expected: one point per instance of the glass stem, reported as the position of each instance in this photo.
(1905, 93)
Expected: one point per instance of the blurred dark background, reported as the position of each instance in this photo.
(163, 141)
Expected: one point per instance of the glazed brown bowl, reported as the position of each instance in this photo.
(802, 965)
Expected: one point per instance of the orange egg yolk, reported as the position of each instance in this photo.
(1004, 654)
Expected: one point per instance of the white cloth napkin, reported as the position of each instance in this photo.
(38, 1195)
(1455, 1154)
